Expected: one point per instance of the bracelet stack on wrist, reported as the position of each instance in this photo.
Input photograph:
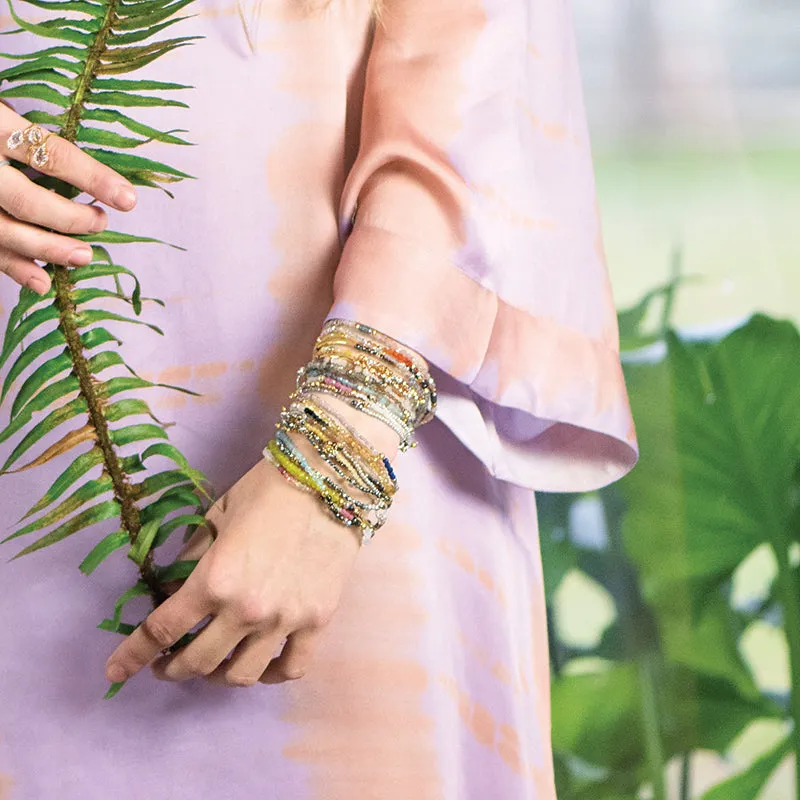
(374, 373)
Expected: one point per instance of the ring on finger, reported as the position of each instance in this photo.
(36, 138)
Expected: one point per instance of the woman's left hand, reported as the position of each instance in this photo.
(274, 572)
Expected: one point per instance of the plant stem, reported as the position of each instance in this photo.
(686, 781)
(790, 600)
(650, 728)
(129, 512)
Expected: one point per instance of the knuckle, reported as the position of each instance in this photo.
(78, 221)
(289, 618)
(318, 616)
(241, 681)
(218, 589)
(56, 150)
(293, 672)
(253, 610)
(19, 205)
(195, 665)
(158, 632)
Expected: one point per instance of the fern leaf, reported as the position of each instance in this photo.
(45, 426)
(79, 77)
(74, 472)
(102, 511)
(33, 351)
(102, 550)
(89, 491)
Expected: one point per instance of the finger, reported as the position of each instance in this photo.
(197, 545)
(249, 660)
(26, 201)
(162, 628)
(71, 164)
(295, 659)
(34, 242)
(203, 654)
(24, 271)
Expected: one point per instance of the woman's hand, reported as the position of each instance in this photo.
(27, 210)
(274, 572)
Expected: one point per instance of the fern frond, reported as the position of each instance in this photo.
(60, 359)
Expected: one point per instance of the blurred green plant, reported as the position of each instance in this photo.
(719, 476)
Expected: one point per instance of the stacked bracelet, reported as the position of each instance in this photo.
(375, 374)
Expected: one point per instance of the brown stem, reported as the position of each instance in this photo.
(123, 493)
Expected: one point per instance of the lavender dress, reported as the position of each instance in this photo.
(433, 180)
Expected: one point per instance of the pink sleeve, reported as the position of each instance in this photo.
(477, 239)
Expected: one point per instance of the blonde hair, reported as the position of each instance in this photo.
(308, 6)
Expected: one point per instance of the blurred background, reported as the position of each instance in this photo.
(674, 597)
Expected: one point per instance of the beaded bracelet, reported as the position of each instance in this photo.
(375, 374)
(367, 517)
(341, 448)
(373, 341)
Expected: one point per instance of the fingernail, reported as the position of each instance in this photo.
(124, 198)
(116, 673)
(80, 256)
(38, 285)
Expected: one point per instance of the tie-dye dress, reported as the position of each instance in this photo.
(433, 179)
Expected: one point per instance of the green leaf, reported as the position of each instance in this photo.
(126, 161)
(94, 271)
(45, 426)
(37, 91)
(25, 327)
(596, 716)
(78, 53)
(97, 336)
(122, 627)
(155, 483)
(50, 32)
(144, 541)
(77, 469)
(172, 500)
(112, 116)
(81, 6)
(118, 84)
(152, 29)
(122, 100)
(24, 68)
(91, 135)
(720, 435)
(123, 384)
(89, 491)
(91, 315)
(39, 377)
(114, 237)
(146, 13)
(166, 530)
(50, 76)
(178, 571)
(27, 300)
(128, 59)
(113, 690)
(37, 348)
(127, 408)
(748, 784)
(136, 433)
(45, 398)
(171, 452)
(138, 590)
(98, 513)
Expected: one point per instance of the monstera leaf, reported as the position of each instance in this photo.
(65, 377)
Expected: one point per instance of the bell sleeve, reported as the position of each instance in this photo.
(471, 233)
